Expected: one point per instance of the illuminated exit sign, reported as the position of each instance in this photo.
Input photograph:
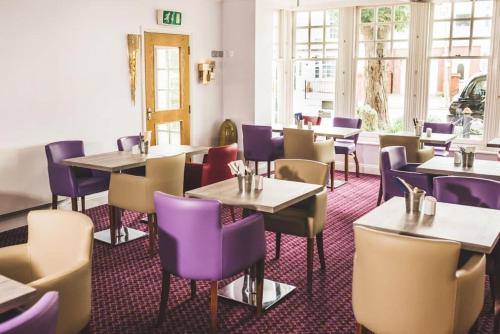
(169, 17)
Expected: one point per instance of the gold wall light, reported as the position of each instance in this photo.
(134, 47)
(206, 72)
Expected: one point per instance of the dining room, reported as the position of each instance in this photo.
(236, 166)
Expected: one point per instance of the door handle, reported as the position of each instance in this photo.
(149, 114)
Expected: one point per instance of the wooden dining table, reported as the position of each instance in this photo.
(118, 161)
(14, 294)
(486, 169)
(476, 229)
(276, 195)
(435, 138)
(494, 143)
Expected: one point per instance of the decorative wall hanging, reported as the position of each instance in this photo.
(134, 47)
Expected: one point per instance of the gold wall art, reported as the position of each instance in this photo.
(134, 47)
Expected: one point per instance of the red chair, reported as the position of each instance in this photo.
(315, 120)
(213, 169)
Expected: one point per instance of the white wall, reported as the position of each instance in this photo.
(64, 75)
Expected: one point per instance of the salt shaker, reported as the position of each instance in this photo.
(430, 206)
(458, 159)
(428, 132)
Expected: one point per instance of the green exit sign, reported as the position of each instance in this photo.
(169, 17)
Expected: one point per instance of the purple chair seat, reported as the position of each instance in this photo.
(347, 146)
(260, 145)
(40, 318)
(343, 146)
(92, 185)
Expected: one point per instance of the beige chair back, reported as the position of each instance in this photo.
(167, 173)
(300, 170)
(299, 144)
(411, 143)
(403, 284)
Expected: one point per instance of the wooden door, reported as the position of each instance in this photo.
(167, 88)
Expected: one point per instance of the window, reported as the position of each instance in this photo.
(315, 52)
(382, 51)
(278, 66)
(460, 52)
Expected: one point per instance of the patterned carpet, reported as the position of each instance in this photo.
(126, 280)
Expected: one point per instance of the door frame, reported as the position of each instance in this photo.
(192, 72)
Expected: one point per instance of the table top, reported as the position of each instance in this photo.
(335, 132)
(121, 160)
(13, 294)
(435, 138)
(276, 194)
(477, 229)
(494, 143)
(486, 169)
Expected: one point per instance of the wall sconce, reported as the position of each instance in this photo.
(206, 72)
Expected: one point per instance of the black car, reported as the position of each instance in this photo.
(472, 96)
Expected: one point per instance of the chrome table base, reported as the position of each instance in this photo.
(126, 234)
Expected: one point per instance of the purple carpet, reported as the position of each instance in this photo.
(126, 280)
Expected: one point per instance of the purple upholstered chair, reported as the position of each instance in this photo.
(40, 318)
(195, 245)
(347, 146)
(70, 181)
(473, 192)
(392, 164)
(126, 143)
(440, 150)
(259, 145)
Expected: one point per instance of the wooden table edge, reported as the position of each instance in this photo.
(18, 301)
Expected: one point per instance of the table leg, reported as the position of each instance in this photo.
(118, 233)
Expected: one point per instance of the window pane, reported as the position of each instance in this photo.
(167, 84)
(367, 15)
(379, 81)
(462, 10)
(480, 47)
(366, 33)
(482, 28)
(402, 14)
(332, 17)
(366, 50)
(302, 51)
(331, 50)
(331, 34)
(442, 11)
(317, 18)
(302, 19)
(384, 14)
(316, 34)
(301, 35)
(401, 31)
(383, 32)
(314, 87)
(316, 51)
(440, 48)
(460, 47)
(400, 49)
(441, 29)
(168, 133)
(483, 9)
(461, 29)
(454, 85)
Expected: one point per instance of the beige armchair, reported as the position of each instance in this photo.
(135, 193)
(57, 257)
(300, 144)
(304, 219)
(411, 285)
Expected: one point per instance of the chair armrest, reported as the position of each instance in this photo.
(15, 263)
(410, 167)
(192, 176)
(129, 192)
(470, 292)
(62, 180)
(277, 144)
(425, 154)
(243, 244)
(324, 151)
(423, 181)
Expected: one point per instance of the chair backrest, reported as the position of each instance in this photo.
(190, 236)
(300, 170)
(216, 169)
(126, 143)
(392, 157)
(257, 142)
(58, 151)
(411, 143)
(298, 143)
(39, 318)
(399, 280)
(440, 128)
(348, 122)
(167, 173)
(467, 191)
(314, 120)
(58, 240)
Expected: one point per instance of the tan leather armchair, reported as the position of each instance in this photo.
(57, 257)
(403, 284)
(307, 218)
(135, 193)
(300, 144)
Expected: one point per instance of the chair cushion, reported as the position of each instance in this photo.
(92, 185)
(344, 146)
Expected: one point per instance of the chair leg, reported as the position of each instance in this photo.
(356, 161)
(74, 203)
(213, 306)
(83, 204)
(310, 255)
(346, 167)
(151, 231)
(256, 168)
(379, 200)
(260, 285)
(233, 215)
(269, 169)
(193, 288)
(54, 201)
(321, 253)
(332, 173)
(359, 329)
(278, 245)
(165, 289)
